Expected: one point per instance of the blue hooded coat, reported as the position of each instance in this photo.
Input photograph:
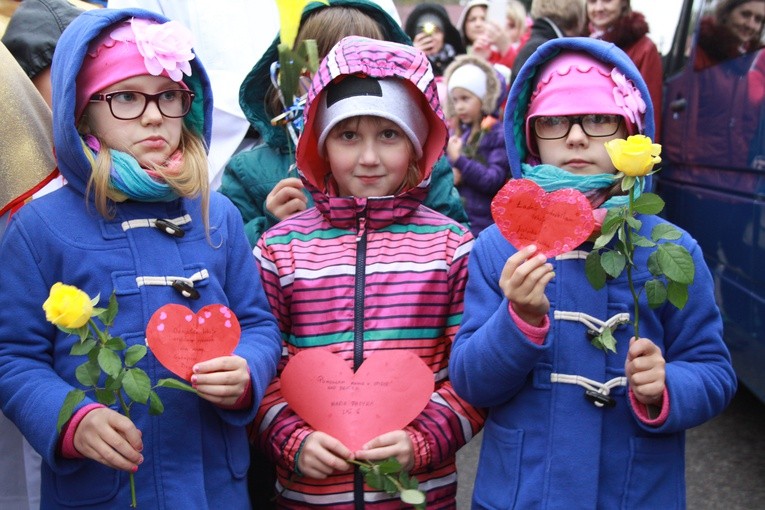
(195, 454)
(545, 444)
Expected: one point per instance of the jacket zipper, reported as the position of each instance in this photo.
(358, 330)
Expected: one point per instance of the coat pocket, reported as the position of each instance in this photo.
(92, 484)
(656, 473)
(498, 474)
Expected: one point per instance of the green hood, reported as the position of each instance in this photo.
(252, 93)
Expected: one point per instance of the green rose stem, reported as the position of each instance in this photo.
(630, 262)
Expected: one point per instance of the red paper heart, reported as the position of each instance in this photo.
(390, 389)
(555, 222)
(180, 338)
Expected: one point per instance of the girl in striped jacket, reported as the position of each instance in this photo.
(369, 268)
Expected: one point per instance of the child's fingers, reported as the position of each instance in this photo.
(109, 438)
(220, 364)
(322, 455)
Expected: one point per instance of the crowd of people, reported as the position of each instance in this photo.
(360, 225)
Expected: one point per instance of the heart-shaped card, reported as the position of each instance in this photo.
(180, 338)
(389, 390)
(555, 222)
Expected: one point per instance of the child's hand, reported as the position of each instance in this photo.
(457, 176)
(645, 371)
(221, 380)
(110, 438)
(425, 43)
(523, 281)
(391, 444)
(454, 147)
(323, 455)
(286, 198)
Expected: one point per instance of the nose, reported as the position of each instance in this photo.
(576, 136)
(368, 156)
(151, 115)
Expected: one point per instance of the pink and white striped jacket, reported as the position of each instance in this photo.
(358, 275)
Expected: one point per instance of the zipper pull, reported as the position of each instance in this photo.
(362, 222)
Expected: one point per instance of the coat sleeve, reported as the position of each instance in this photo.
(491, 358)
(488, 176)
(448, 422)
(442, 195)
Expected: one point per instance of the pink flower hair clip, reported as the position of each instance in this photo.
(628, 98)
(164, 47)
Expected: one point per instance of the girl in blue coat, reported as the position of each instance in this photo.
(571, 425)
(131, 109)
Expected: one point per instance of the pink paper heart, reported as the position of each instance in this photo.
(390, 389)
(555, 222)
(180, 338)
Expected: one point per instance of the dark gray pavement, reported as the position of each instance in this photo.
(725, 460)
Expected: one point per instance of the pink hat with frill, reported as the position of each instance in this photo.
(134, 48)
(575, 83)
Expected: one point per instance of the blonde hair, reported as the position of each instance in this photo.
(413, 174)
(517, 12)
(569, 15)
(191, 181)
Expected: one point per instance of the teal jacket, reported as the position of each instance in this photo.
(251, 175)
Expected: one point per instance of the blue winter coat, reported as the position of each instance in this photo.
(196, 454)
(545, 445)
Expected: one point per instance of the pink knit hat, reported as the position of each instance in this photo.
(134, 48)
(575, 83)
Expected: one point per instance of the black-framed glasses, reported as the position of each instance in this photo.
(596, 125)
(130, 104)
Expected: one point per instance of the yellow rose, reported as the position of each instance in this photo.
(634, 156)
(67, 306)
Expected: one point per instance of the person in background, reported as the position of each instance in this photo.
(373, 131)
(615, 21)
(552, 19)
(496, 42)
(476, 147)
(132, 116)
(262, 182)
(432, 32)
(599, 428)
(732, 30)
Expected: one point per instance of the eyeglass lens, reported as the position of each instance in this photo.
(130, 104)
(551, 128)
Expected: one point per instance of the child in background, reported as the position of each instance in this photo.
(368, 269)
(130, 133)
(523, 348)
(476, 148)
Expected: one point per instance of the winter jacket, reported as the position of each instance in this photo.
(195, 454)
(630, 33)
(251, 175)
(546, 444)
(542, 30)
(359, 275)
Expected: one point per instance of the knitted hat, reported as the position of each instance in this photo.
(134, 48)
(574, 83)
(388, 98)
(469, 77)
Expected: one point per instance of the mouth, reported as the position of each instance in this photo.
(153, 141)
(577, 163)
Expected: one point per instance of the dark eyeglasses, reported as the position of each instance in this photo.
(596, 125)
(130, 104)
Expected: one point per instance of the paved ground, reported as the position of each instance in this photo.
(725, 460)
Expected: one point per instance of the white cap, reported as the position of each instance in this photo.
(469, 77)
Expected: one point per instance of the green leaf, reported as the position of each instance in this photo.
(73, 398)
(134, 354)
(114, 384)
(389, 466)
(648, 203)
(97, 312)
(642, 241)
(605, 340)
(115, 344)
(156, 406)
(375, 479)
(87, 373)
(137, 385)
(633, 222)
(602, 240)
(105, 396)
(675, 262)
(109, 362)
(94, 301)
(665, 231)
(111, 311)
(613, 263)
(655, 292)
(594, 271)
(677, 293)
(653, 264)
(627, 183)
(175, 384)
(413, 497)
(82, 348)
(613, 219)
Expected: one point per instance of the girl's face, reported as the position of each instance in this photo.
(579, 153)
(474, 21)
(467, 106)
(604, 13)
(513, 30)
(746, 20)
(150, 138)
(368, 156)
